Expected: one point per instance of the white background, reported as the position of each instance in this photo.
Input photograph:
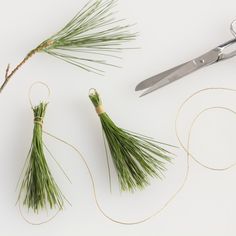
(171, 32)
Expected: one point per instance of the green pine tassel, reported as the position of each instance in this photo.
(136, 157)
(38, 187)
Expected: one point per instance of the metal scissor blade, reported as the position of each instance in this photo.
(156, 78)
(183, 70)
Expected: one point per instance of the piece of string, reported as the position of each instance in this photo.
(186, 149)
(31, 88)
(37, 223)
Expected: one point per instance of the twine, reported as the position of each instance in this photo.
(100, 110)
(38, 120)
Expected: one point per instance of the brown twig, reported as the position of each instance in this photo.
(8, 75)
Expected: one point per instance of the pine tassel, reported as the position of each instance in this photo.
(136, 157)
(38, 185)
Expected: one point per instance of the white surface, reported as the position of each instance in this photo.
(171, 32)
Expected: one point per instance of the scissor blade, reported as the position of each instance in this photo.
(183, 70)
(154, 79)
(178, 72)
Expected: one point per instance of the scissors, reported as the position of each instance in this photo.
(173, 74)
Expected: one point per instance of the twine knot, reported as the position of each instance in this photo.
(38, 120)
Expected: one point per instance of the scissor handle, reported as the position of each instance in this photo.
(223, 48)
(232, 28)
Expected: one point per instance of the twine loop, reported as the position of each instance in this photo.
(189, 132)
(31, 88)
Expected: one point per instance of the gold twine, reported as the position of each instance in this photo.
(100, 109)
(38, 120)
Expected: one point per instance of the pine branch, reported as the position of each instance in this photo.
(91, 36)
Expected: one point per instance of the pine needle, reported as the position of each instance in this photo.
(94, 30)
(136, 157)
(38, 186)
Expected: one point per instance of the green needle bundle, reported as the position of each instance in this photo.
(136, 157)
(38, 187)
(86, 40)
